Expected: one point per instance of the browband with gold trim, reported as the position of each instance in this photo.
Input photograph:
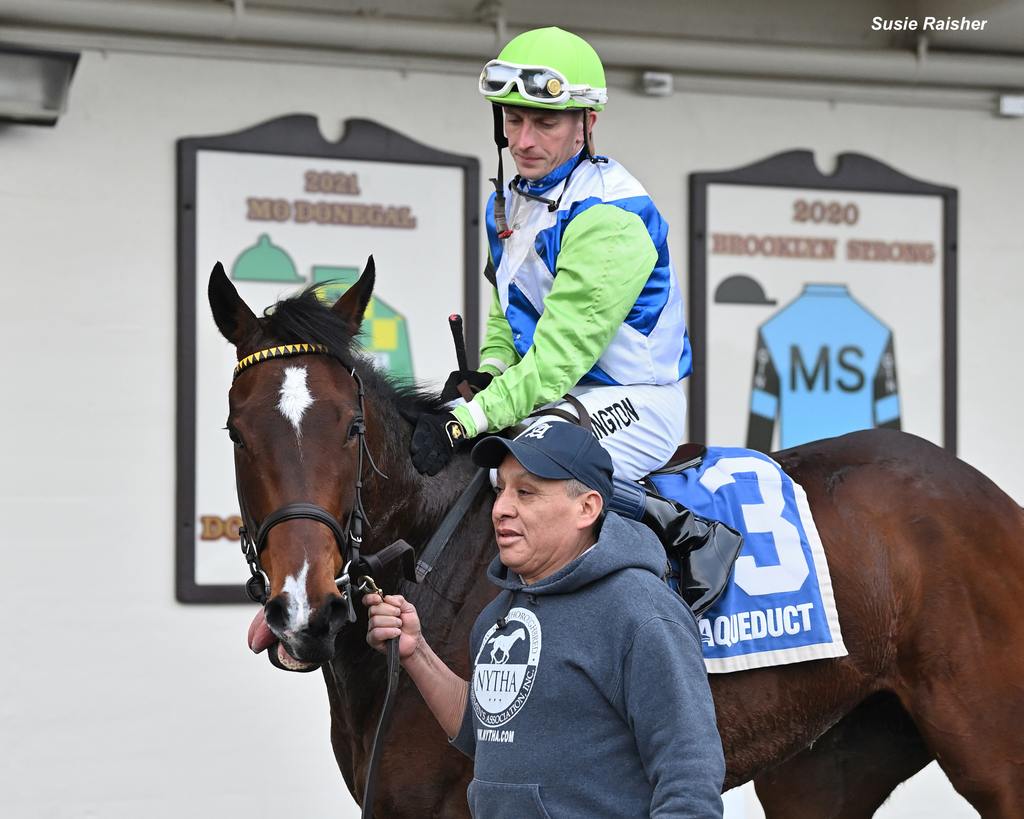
(283, 351)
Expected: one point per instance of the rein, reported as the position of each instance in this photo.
(349, 540)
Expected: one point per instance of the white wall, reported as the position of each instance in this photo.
(115, 701)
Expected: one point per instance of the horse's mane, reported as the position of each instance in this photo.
(305, 318)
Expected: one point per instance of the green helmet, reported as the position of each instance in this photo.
(546, 68)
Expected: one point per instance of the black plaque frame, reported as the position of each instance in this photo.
(796, 169)
(292, 135)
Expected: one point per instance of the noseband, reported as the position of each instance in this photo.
(348, 539)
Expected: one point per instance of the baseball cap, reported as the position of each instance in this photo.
(556, 450)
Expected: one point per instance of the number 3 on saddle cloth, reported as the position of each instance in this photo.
(777, 606)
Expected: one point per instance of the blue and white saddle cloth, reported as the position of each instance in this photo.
(778, 607)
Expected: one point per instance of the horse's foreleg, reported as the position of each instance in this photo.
(851, 770)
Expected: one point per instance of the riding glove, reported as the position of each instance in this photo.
(476, 380)
(434, 440)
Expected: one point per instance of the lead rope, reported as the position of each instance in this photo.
(430, 554)
(394, 671)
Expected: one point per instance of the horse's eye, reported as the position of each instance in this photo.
(235, 437)
(355, 428)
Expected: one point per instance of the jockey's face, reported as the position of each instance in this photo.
(541, 140)
(538, 526)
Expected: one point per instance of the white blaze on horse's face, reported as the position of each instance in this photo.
(295, 397)
(298, 599)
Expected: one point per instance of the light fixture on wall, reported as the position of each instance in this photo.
(34, 84)
(656, 83)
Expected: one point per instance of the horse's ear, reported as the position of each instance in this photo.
(234, 319)
(352, 305)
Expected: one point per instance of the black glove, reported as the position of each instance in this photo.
(476, 380)
(434, 440)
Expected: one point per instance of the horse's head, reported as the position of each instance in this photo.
(295, 421)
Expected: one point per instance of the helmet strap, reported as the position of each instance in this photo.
(594, 158)
(501, 141)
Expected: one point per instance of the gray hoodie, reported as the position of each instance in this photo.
(589, 696)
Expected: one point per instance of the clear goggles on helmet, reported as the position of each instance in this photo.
(536, 83)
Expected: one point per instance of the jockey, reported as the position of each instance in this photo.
(585, 298)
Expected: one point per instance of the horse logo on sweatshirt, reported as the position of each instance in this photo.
(505, 668)
(501, 643)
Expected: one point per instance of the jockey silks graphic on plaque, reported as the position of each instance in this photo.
(505, 668)
(284, 209)
(821, 304)
(824, 365)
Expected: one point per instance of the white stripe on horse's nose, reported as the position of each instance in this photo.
(295, 397)
(298, 599)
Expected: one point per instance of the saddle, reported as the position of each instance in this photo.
(685, 457)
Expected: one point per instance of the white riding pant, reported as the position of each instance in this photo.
(640, 425)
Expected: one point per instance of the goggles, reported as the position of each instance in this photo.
(536, 83)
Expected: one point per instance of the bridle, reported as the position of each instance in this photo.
(349, 538)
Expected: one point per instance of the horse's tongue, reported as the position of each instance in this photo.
(260, 635)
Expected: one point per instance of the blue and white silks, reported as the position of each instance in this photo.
(651, 346)
(779, 607)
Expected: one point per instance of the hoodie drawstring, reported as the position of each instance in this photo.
(502, 621)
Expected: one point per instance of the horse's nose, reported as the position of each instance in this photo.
(276, 612)
(309, 637)
(331, 617)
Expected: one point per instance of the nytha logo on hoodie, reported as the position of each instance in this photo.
(506, 667)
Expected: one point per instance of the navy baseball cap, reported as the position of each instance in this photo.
(556, 450)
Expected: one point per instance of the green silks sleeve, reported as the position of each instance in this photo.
(497, 353)
(606, 258)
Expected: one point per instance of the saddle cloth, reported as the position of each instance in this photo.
(778, 607)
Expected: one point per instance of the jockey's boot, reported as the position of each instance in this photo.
(705, 549)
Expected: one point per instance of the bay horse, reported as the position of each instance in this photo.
(926, 556)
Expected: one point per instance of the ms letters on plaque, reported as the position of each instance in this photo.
(821, 304)
(282, 208)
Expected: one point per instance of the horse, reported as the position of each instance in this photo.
(925, 555)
